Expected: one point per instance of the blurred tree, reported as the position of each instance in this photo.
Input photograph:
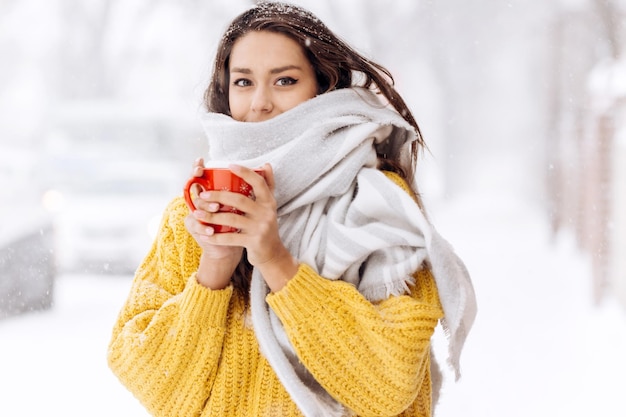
(81, 67)
(588, 40)
(28, 35)
(488, 59)
(612, 25)
(114, 48)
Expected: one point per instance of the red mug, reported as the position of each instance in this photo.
(220, 179)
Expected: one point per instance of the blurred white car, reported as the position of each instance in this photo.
(27, 264)
(110, 168)
(106, 221)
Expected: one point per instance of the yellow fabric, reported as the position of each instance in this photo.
(185, 350)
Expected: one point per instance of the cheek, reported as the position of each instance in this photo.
(311, 90)
(237, 108)
(299, 98)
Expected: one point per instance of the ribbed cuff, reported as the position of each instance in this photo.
(204, 304)
(305, 293)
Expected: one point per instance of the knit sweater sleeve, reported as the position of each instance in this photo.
(168, 325)
(371, 357)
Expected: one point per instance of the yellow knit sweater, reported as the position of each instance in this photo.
(185, 350)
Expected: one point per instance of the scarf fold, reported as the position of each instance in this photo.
(335, 210)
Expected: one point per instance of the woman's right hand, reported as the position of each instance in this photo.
(218, 262)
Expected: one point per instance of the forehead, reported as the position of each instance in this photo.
(264, 47)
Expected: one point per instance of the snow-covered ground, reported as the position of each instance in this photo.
(539, 346)
(53, 363)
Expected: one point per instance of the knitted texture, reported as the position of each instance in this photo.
(185, 350)
(338, 213)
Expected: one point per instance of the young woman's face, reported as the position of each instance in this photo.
(269, 74)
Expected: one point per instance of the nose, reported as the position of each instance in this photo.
(261, 101)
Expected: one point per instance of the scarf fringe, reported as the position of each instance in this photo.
(387, 290)
(323, 151)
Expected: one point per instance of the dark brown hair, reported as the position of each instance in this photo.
(336, 66)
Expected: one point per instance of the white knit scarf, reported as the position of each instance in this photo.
(342, 216)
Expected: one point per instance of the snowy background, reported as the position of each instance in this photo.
(498, 87)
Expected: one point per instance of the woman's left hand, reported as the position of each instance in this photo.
(258, 225)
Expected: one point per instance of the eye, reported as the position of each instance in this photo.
(242, 82)
(285, 81)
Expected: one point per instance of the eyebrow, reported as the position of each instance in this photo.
(277, 70)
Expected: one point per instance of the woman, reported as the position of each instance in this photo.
(325, 302)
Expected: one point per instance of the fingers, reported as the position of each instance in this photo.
(212, 201)
(197, 171)
(198, 167)
(234, 210)
(218, 208)
(256, 219)
(207, 202)
(204, 226)
(198, 230)
(214, 245)
(221, 218)
(268, 174)
(263, 185)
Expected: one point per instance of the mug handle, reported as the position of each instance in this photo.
(202, 182)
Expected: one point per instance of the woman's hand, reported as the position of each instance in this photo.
(217, 263)
(258, 225)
